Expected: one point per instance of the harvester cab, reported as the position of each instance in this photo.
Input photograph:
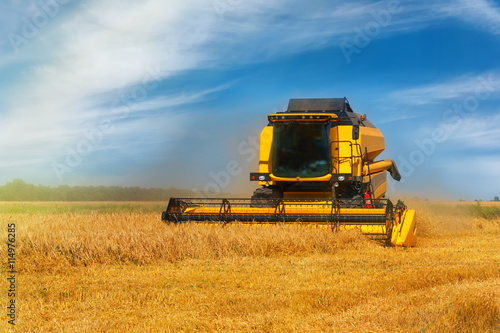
(316, 166)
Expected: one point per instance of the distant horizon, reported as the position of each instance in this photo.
(176, 190)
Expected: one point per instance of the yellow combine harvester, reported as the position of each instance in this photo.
(317, 168)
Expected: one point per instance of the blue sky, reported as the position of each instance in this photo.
(174, 93)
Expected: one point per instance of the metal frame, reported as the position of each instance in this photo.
(275, 211)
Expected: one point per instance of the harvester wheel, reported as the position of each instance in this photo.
(263, 197)
(355, 202)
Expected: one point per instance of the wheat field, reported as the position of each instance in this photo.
(115, 267)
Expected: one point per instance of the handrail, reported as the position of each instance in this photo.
(352, 156)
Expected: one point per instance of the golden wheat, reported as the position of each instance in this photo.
(76, 239)
(118, 272)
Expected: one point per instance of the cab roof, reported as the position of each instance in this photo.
(319, 105)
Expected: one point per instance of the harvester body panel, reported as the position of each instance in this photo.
(266, 140)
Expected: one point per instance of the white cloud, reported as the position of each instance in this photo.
(481, 13)
(394, 116)
(479, 133)
(483, 86)
(107, 48)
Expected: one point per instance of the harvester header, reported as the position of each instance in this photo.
(316, 167)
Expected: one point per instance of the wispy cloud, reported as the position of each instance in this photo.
(479, 133)
(84, 60)
(456, 88)
(397, 116)
(275, 29)
(481, 13)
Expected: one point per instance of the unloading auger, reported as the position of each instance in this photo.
(316, 168)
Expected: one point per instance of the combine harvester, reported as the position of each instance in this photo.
(317, 168)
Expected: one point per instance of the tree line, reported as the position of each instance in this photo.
(19, 190)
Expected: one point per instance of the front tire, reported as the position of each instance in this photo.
(265, 197)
